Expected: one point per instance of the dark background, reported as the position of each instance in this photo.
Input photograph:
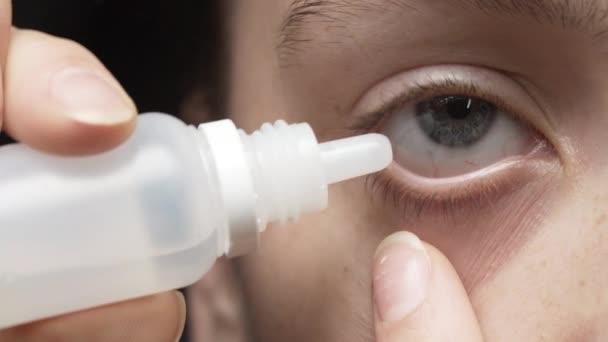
(160, 50)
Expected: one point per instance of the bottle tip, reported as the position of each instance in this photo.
(355, 156)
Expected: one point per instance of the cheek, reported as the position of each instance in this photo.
(480, 244)
(527, 261)
(555, 288)
(311, 281)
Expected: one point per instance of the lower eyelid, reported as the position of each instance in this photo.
(415, 194)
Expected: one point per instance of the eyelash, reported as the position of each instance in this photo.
(414, 204)
(425, 91)
(469, 198)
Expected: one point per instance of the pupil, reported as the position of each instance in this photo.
(455, 121)
(458, 107)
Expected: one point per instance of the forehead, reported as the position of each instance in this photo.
(290, 17)
(558, 10)
(296, 25)
(572, 3)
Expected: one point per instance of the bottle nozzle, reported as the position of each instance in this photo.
(280, 171)
(354, 157)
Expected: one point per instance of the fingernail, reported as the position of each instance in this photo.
(181, 307)
(89, 98)
(401, 276)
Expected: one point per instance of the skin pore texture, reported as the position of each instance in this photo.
(527, 234)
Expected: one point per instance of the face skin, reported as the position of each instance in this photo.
(522, 213)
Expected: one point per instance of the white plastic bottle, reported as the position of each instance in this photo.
(156, 212)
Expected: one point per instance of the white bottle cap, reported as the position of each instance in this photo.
(281, 171)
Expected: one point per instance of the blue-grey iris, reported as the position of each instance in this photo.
(455, 121)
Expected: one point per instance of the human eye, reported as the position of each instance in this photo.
(455, 133)
(458, 133)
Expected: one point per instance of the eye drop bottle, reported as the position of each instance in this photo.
(155, 213)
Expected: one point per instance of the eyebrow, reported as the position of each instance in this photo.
(586, 16)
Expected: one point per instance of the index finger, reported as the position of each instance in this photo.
(60, 98)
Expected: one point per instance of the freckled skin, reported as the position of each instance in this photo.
(311, 281)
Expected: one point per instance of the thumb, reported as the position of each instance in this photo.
(418, 295)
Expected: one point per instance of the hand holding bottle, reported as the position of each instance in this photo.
(58, 98)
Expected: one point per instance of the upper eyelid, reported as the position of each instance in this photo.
(530, 86)
(419, 92)
(491, 84)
